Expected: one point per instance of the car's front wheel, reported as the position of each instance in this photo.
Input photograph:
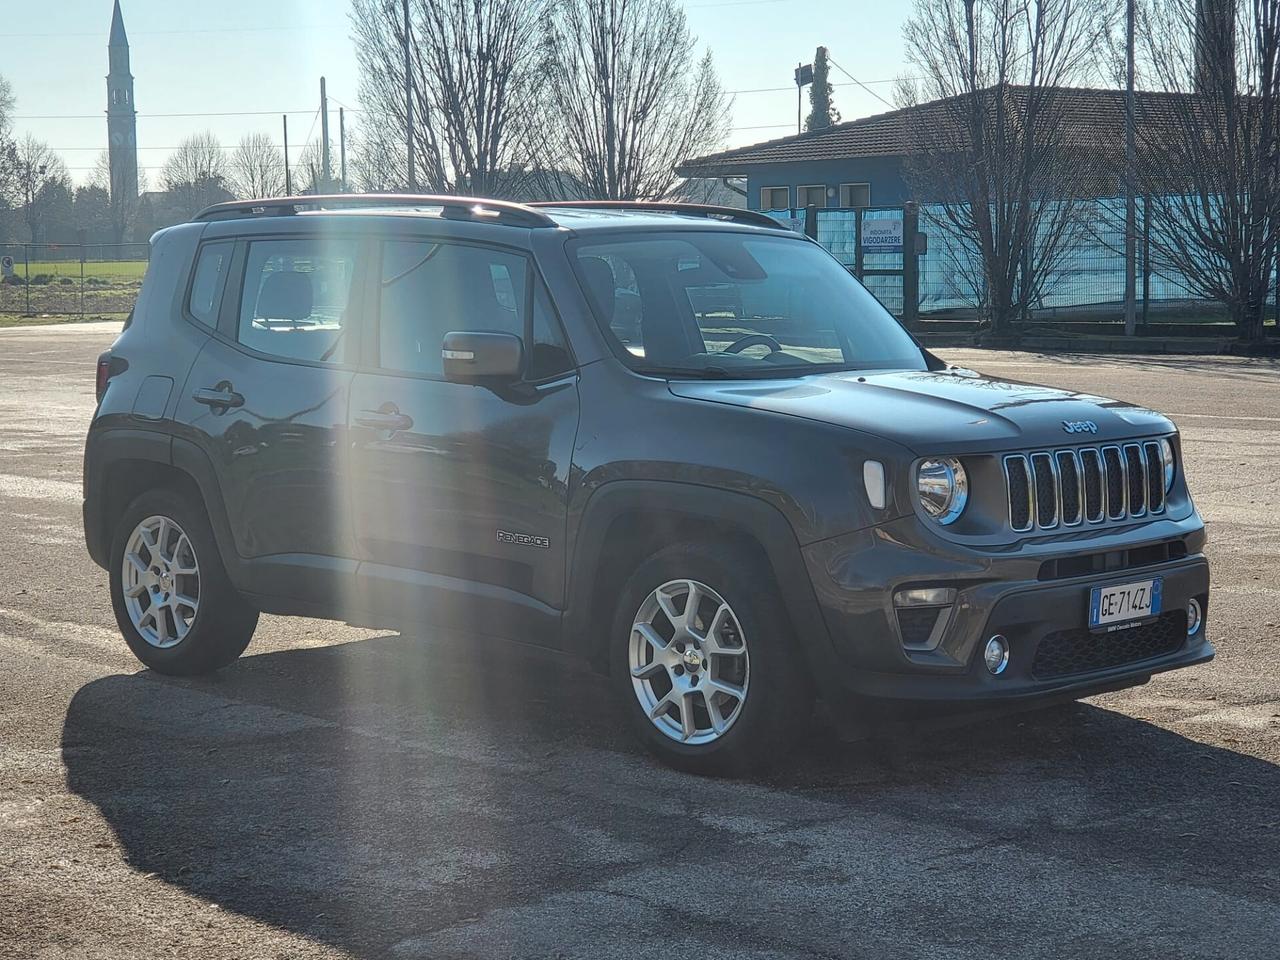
(173, 602)
(705, 660)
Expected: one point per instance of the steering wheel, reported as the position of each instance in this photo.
(754, 340)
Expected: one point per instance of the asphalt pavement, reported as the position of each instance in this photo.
(342, 792)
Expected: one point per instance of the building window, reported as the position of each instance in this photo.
(775, 198)
(813, 196)
(855, 194)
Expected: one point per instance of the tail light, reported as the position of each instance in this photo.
(103, 375)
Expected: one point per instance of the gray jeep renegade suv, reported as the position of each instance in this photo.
(679, 443)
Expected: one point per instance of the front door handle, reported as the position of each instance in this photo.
(387, 417)
(221, 397)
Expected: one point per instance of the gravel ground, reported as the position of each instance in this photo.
(342, 792)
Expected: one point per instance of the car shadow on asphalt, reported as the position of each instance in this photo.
(369, 794)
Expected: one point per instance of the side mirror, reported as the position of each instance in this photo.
(482, 357)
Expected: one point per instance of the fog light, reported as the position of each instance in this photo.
(925, 597)
(1194, 616)
(997, 654)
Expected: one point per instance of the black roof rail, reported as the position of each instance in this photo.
(711, 211)
(451, 208)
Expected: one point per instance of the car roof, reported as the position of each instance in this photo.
(572, 215)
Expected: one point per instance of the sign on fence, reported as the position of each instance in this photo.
(6, 266)
(882, 235)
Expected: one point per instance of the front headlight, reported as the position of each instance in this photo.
(943, 488)
(1166, 454)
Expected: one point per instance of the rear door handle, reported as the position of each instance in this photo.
(386, 417)
(221, 397)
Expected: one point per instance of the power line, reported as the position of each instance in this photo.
(148, 116)
(790, 89)
(167, 33)
(221, 146)
(731, 3)
(860, 83)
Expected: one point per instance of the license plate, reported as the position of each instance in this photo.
(1124, 602)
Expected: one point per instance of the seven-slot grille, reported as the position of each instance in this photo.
(1049, 488)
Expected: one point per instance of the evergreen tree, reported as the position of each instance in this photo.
(823, 113)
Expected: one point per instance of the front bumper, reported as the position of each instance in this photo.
(1014, 593)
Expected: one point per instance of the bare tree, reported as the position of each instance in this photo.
(8, 148)
(1209, 153)
(991, 159)
(630, 100)
(123, 210)
(36, 168)
(197, 173)
(308, 170)
(476, 85)
(257, 167)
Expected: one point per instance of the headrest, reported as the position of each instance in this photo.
(600, 284)
(285, 296)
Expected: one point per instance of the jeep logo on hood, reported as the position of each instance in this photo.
(1079, 426)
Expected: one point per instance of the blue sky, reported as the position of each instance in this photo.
(266, 56)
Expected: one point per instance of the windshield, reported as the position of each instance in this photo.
(736, 305)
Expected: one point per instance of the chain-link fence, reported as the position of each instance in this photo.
(71, 279)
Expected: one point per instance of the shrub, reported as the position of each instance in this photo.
(42, 279)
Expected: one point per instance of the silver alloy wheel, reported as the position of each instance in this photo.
(688, 661)
(160, 581)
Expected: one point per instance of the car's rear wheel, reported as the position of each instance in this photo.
(705, 661)
(173, 602)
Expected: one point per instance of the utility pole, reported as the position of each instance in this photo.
(342, 148)
(288, 174)
(1130, 202)
(324, 186)
(799, 97)
(408, 100)
(804, 75)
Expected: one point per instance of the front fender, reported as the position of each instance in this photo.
(664, 509)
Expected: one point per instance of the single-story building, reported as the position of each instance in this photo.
(863, 163)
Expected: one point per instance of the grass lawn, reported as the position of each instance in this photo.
(59, 295)
(105, 269)
(17, 320)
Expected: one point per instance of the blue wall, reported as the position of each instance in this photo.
(883, 173)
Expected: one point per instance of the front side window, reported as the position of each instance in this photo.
(295, 298)
(206, 285)
(428, 289)
(733, 304)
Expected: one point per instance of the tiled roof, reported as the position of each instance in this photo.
(1094, 119)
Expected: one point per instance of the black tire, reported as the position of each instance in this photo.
(224, 622)
(778, 702)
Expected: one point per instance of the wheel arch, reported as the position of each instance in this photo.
(625, 521)
(121, 464)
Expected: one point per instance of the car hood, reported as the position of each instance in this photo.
(951, 410)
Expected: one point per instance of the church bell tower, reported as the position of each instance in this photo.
(122, 139)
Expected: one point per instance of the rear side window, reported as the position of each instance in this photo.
(295, 298)
(429, 289)
(206, 286)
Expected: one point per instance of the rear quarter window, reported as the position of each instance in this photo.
(212, 264)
